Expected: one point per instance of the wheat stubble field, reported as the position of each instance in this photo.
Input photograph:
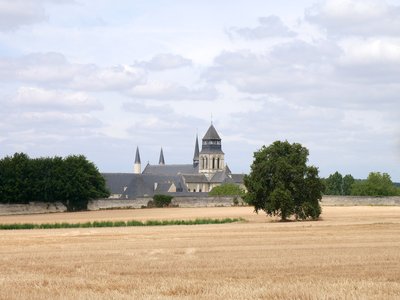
(352, 253)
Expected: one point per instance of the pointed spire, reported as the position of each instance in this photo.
(137, 167)
(211, 134)
(137, 157)
(161, 161)
(196, 152)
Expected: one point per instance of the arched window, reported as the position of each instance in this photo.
(218, 163)
(213, 163)
(206, 166)
(202, 163)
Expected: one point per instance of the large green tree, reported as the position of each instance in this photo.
(377, 184)
(280, 182)
(72, 180)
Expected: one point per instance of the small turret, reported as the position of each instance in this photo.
(196, 153)
(161, 161)
(137, 167)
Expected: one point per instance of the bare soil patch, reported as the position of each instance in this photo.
(352, 253)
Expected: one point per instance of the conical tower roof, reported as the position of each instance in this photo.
(161, 161)
(196, 150)
(211, 141)
(211, 134)
(137, 157)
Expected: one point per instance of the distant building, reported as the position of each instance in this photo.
(207, 171)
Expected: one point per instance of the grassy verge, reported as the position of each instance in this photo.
(117, 224)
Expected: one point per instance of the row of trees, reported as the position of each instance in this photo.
(377, 184)
(336, 184)
(72, 180)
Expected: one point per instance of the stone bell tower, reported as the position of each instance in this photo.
(212, 158)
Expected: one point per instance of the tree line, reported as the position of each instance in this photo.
(72, 181)
(377, 184)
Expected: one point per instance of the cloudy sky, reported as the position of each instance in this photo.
(101, 77)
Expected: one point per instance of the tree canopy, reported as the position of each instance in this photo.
(377, 184)
(72, 180)
(227, 189)
(336, 184)
(280, 182)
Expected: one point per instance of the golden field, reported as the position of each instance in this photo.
(352, 253)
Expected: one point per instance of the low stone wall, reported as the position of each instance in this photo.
(188, 201)
(203, 201)
(31, 208)
(117, 203)
(359, 201)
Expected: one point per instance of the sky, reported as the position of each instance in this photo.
(100, 78)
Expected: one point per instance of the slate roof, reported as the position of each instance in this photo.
(237, 178)
(131, 186)
(214, 150)
(195, 178)
(211, 134)
(220, 177)
(170, 170)
(116, 182)
(163, 187)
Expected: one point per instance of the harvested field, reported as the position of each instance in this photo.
(352, 253)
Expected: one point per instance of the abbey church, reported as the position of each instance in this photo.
(207, 170)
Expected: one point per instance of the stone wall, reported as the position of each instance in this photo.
(181, 201)
(117, 203)
(359, 201)
(203, 201)
(31, 208)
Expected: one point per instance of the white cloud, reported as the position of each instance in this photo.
(37, 99)
(356, 17)
(114, 78)
(167, 91)
(52, 121)
(370, 51)
(255, 73)
(271, 26)
(165, 61)
(17, 13)
(54, 70)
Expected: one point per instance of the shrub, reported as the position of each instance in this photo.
(162, 200)
(227, 189)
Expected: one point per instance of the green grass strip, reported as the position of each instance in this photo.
(117, 224)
